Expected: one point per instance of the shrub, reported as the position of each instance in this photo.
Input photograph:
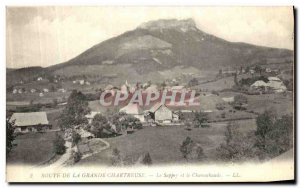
(237, 146)
(186, 147)
(147, 159)
(215, 92)
(76, 157)
(116, 157)
(59, 145)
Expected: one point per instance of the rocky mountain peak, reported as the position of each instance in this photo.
(183, 25)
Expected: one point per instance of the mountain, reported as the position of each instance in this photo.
(165, 43)
(161, 45)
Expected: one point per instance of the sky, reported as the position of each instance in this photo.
(45, 36)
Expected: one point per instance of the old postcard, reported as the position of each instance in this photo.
(149, 94)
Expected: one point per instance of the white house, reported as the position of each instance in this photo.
(274, 84)
(39, 79)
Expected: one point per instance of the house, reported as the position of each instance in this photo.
(39, 79)
(41, 94)
(33, 90)
(91, 116)
(252, 71)
(228, 99)
(161, 113)
(134, 110)
(81, 82)
(46, 90)
(30, 122)
(274, 84)
(15, 91)
(87, 83)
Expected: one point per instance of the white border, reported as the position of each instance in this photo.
(110, 3)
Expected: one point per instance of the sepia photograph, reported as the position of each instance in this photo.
(113, 94)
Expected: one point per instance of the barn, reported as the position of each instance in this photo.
(161, 113)
(30, 122)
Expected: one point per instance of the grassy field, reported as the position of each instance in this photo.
(163, 143)
(32, 148)
(277, 103)
(224, 83)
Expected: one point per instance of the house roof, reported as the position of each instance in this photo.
(259, 83)
(273, 79)
(132, 108)
(32, 118)
(155, 107)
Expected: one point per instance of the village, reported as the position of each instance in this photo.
(103, 134)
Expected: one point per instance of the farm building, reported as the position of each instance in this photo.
(161, 113)
(30, 122)
(134, 110)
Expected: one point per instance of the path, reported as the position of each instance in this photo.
(64, 158)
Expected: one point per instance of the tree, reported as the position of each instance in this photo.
(75, 111)
(274, 135)
(147, 159)
(199, 119)
(75, 138)
(193, 82)
(76, 156)
(186, 147)
(236, 82)
(54, 102)
(59, 144)
(181, 116)
(237, 146)
(10, 137)
(117, 120)
(258, 69)
(192, 150)
(131, 122)
(99, 123)
(239, 101)
(116, 159)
